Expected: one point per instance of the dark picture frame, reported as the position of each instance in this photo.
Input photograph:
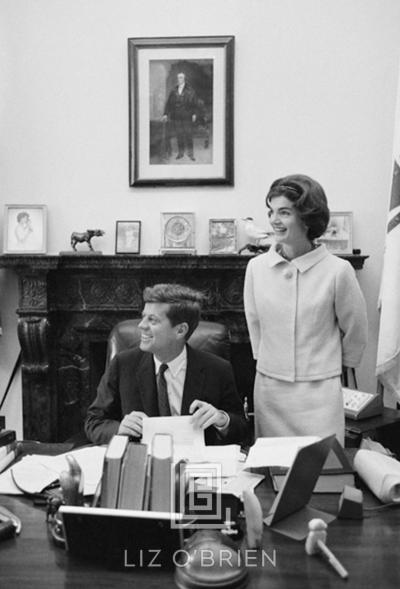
(181, 111)
(127, 237)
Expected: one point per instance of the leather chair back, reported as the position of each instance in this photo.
(209, 336)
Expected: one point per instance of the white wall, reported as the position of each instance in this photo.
(315, 89)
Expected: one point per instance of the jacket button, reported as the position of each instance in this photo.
(288, 274)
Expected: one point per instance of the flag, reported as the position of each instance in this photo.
(388, 356)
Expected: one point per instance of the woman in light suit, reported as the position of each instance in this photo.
(306, 317)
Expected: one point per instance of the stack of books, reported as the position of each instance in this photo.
(8, 448)
(135, 479)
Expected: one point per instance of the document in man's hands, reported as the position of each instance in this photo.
(188, 441)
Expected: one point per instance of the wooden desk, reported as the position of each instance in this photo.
(383, 428)
(367, 548)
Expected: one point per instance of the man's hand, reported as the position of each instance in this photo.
(131, 425)
(164, 118)
(204, 414)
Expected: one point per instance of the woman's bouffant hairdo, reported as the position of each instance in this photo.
(308, 198)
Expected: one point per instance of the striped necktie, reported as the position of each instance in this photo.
(162, 392)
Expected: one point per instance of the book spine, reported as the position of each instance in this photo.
(160, 497)
(7, 436)
(4, 450)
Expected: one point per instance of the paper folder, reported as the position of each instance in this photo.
(290, 512)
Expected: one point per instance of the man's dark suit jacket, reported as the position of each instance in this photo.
(130, 385)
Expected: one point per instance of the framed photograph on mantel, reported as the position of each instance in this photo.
(181, 110)
(223, 236)
(127, 237)
(338, 236)
(25, 229)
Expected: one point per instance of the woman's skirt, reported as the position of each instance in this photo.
(306, 408)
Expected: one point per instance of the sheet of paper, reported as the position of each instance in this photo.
(188, 441)
(7, 485)
(279, 451)
(237, 484)
(34, 473)
(226, 456)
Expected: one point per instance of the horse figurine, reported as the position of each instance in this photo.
(85, 237)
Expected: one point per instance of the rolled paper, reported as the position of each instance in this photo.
(381, 473)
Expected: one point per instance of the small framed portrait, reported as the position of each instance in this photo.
(178, 233)
(338, 236)
(25, 229)
(223, 236)
(181, 110)
(127, 237)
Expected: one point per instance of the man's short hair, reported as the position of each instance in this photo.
(184, 303)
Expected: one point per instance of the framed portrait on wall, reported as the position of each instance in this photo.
(127, 237)
(25, 229)
(223, 236)
(338, 236)
(181, 110)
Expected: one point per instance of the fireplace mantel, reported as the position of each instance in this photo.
(69, 303)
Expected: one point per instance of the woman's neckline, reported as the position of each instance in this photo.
(280, 251)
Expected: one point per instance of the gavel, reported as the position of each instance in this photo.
(315, 543)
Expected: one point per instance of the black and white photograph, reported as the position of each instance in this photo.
(223, 236)
(181, 110)
(127, 237)
(200, 320)
(338, 236)
(25, 229)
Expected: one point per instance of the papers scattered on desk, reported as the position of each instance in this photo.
(36, 472)
(7, 485)
(277, 451)
(243, 481)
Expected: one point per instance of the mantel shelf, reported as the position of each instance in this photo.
(83, 261)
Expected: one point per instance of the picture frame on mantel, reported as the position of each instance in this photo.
(338, 237)
(25, 229)
(223, 236)
(181, 111)
(127, 237)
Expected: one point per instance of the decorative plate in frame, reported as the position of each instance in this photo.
(178, 235)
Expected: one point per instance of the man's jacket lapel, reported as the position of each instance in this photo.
(146, 383)
(194, 381)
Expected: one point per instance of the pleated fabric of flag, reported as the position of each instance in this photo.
(388, 356)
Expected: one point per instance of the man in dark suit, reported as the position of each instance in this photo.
(181, 110)
(165, 376)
